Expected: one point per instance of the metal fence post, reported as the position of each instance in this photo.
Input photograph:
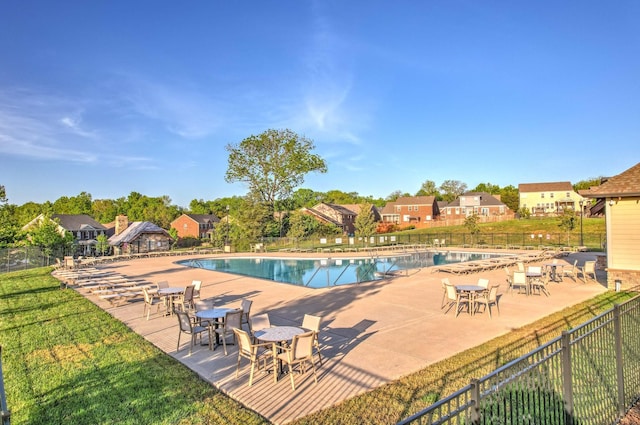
(617, 327)
(4, 410)
(567, 384)
(475, 399)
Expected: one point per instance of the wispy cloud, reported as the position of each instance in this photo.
(46, 127)
(330, 107)
(180, 109)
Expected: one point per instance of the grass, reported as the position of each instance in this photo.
(67, 361)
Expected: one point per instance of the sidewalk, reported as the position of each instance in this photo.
(372, 333)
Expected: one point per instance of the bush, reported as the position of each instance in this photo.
(188, 242)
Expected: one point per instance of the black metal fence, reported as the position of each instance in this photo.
(588, 376)
(24, 258)
(590, 241)
(4, 409)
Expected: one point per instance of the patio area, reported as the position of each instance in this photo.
(372, 333)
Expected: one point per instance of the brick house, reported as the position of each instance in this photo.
(481, 204)
(411, 210)
(342, 216)
(621, 194)
(138, 237)
(195, 225)
(548, 198)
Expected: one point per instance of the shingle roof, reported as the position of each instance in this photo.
(204, 218)
(415, 200)
(134, 230)
(486, 199)
(624, 184)
(75, 222)
(544, 187)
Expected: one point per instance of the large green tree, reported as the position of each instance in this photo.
(451, 189)
(272, 164)
(8, 223)
(48, 236)
(365, 223)
(429, 188)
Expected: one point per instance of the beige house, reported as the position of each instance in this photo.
(622, 196)
(549, 198)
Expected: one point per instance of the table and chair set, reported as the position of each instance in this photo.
(470, 296)
(265, 345)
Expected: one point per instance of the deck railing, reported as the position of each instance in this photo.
(589, 375)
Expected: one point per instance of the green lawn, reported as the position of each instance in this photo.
(67, 361)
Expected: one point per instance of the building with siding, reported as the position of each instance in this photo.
(621, 194)
(479, 203)
(548, 198)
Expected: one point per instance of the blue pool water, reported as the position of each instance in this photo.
(327, 272)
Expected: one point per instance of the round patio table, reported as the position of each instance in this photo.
(214, 316)
(276, 334)
(473, 291)
(170, 292)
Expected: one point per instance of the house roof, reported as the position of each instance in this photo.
(415, 200)
(389, 208)
(202, 218)
(486, 199)
(75, 222)
(625, 184)
(134, 230)
(320, 215)
(545, 187)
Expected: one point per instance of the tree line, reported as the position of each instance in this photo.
(272, 165)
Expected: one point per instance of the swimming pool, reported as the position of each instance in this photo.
(328, 272)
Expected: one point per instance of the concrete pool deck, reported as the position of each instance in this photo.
(372, 333)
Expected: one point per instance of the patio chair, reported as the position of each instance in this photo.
(509, 276)
(150, 300)
(260, 322)
(232, 320)
(445, 282)
(488, 298)
(455, 298)
(588, 270)
(160, 285)
(312, 323)
(254, 352)
(539, 285)
(185, 301)
(202, 305)
(572, 271)
(189, 326)
(245, 305)
(196, 288)
(299, 353)
(483, 282)
(520, 282)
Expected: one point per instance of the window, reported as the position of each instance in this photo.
(568, 195)
(457, 211)
(551, 195)
(542, 195)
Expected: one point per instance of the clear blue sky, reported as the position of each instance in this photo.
(110, 97)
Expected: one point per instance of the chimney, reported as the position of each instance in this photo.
(122, 222)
